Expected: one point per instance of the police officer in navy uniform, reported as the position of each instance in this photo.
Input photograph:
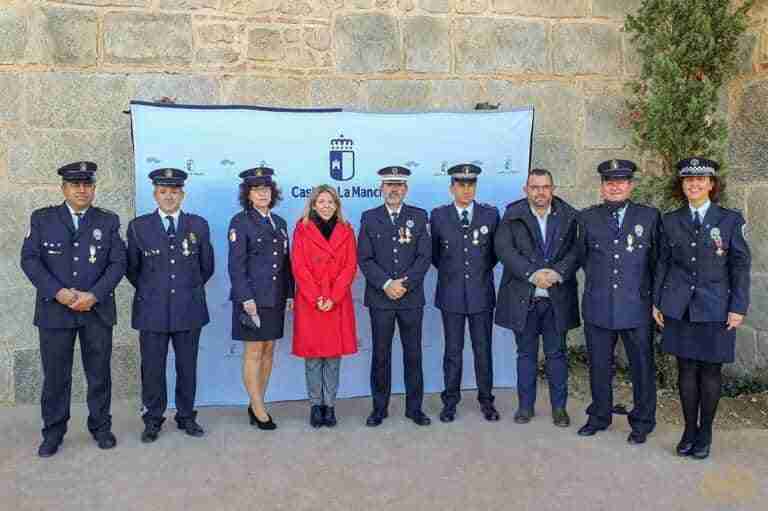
(619, 243)
(170, 259)
(463, 253)
(538, 296)
(262, 285)
(394, 255)
(74, 256)
(701, 296)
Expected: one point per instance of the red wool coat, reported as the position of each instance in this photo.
(323, 268)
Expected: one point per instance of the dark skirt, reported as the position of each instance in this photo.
(707, 341)
(272, 323)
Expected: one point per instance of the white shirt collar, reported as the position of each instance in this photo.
(390, 211)
(469, 209)
(73, 213)
(175, 216)
(701, 209)
(546, 214)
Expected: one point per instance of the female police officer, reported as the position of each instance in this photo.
(701, 295)
(262, 283)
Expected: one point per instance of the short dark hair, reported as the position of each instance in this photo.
(718, 187)
(245, 189)
(541, 172)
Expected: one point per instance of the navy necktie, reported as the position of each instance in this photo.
(696, 221)
(394, 216)
(78, 217)
(465, 218)
(616, 223)
(171, 227)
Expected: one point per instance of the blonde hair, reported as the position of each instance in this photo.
(316, 191)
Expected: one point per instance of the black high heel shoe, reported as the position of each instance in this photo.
(268, 424)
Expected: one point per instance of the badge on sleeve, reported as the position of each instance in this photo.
(232, 235)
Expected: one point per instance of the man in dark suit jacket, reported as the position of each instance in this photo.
(619, 245)
(464, 255)
(536, 242)
(74, 256)
(170, 258)
(393, 252)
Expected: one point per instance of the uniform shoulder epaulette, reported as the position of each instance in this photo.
(486, 205)
(733, 210)
(590, 208)
(105, 210)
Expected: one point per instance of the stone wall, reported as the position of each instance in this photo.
(68, 69)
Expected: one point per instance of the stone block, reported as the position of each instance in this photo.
(249, 90)
(335, 92)
(397, 95)
(367, 43)
(265, 44)
(217, 56)
(184, 5)
(141, 38)
(586, 48)
(757, 234)
(436, 6)
(749, 125)
(614, 8)
(360, 4)
(185, 89)
(475, 45)
(14, 34)
(217, 33)
(18, 296)
(250, 6)
(28, 378)
(522, 46)
(471, 6)
(76, 101)
(10, 99)
(65, 36)
(557, 104)
(455, 95)
(6, 377)
(602, 123)
(318, 38)
(109, 3)
(559, 155)
(427, 44)
(313, 8)
(36, 154)
(544, 8)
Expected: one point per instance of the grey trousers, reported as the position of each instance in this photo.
(322, 380)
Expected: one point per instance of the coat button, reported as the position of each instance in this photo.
(76, 244)
(76, 258)
(466, 262)
(396, 261)
(394, 250)
(172, 247)
(466, 276)
(274, 240)
(466, 249)
(274, 277)
(693, 288)
(274, 253)
(615, 272)
(74, 274)
(173, 275)
(693, 243)
(615, 286)
(173, 291)
(274, 265)
(394, 238)
(693, 259)
(465, 236)
(615, 256)
(615, 242)
(173, 261)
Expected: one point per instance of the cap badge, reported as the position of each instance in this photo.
(614, 164)
(83, 166)
(168, 173)
(694, 162)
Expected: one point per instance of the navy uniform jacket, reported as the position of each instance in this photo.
(520, 248)
(169, 277)
(259, 260)
(382, 256)
(92, 259)
(464, 259)
(619, 268)
(693, 275)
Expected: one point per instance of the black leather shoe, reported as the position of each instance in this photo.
(419, 418)
(490, 413)
(375, 418)
(192, 428)
(685, 447)
(589, 430)
(700, 450)
(105, 440)
(448, 414)
(329, 416)
(150, 433)
(267, 425)
(523, 416)
(560, 418)
(49, 447)
(316, 416)
(636, 438)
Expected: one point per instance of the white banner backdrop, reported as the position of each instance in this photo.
(307, 148)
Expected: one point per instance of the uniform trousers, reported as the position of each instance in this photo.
(638, 343)
(57, 347)
(154, 354)
(541, 322)
(480, 331)
(322, 380)
(409, 323)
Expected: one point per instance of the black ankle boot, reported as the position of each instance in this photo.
(316, 416)
(329, 416)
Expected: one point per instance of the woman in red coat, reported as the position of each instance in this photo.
(324, 262)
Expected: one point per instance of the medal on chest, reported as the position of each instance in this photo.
(185, 248)
(714, 233)
(630, 243)
(92, 251)
(475, 237)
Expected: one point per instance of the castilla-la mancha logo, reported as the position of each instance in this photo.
(341, 158)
